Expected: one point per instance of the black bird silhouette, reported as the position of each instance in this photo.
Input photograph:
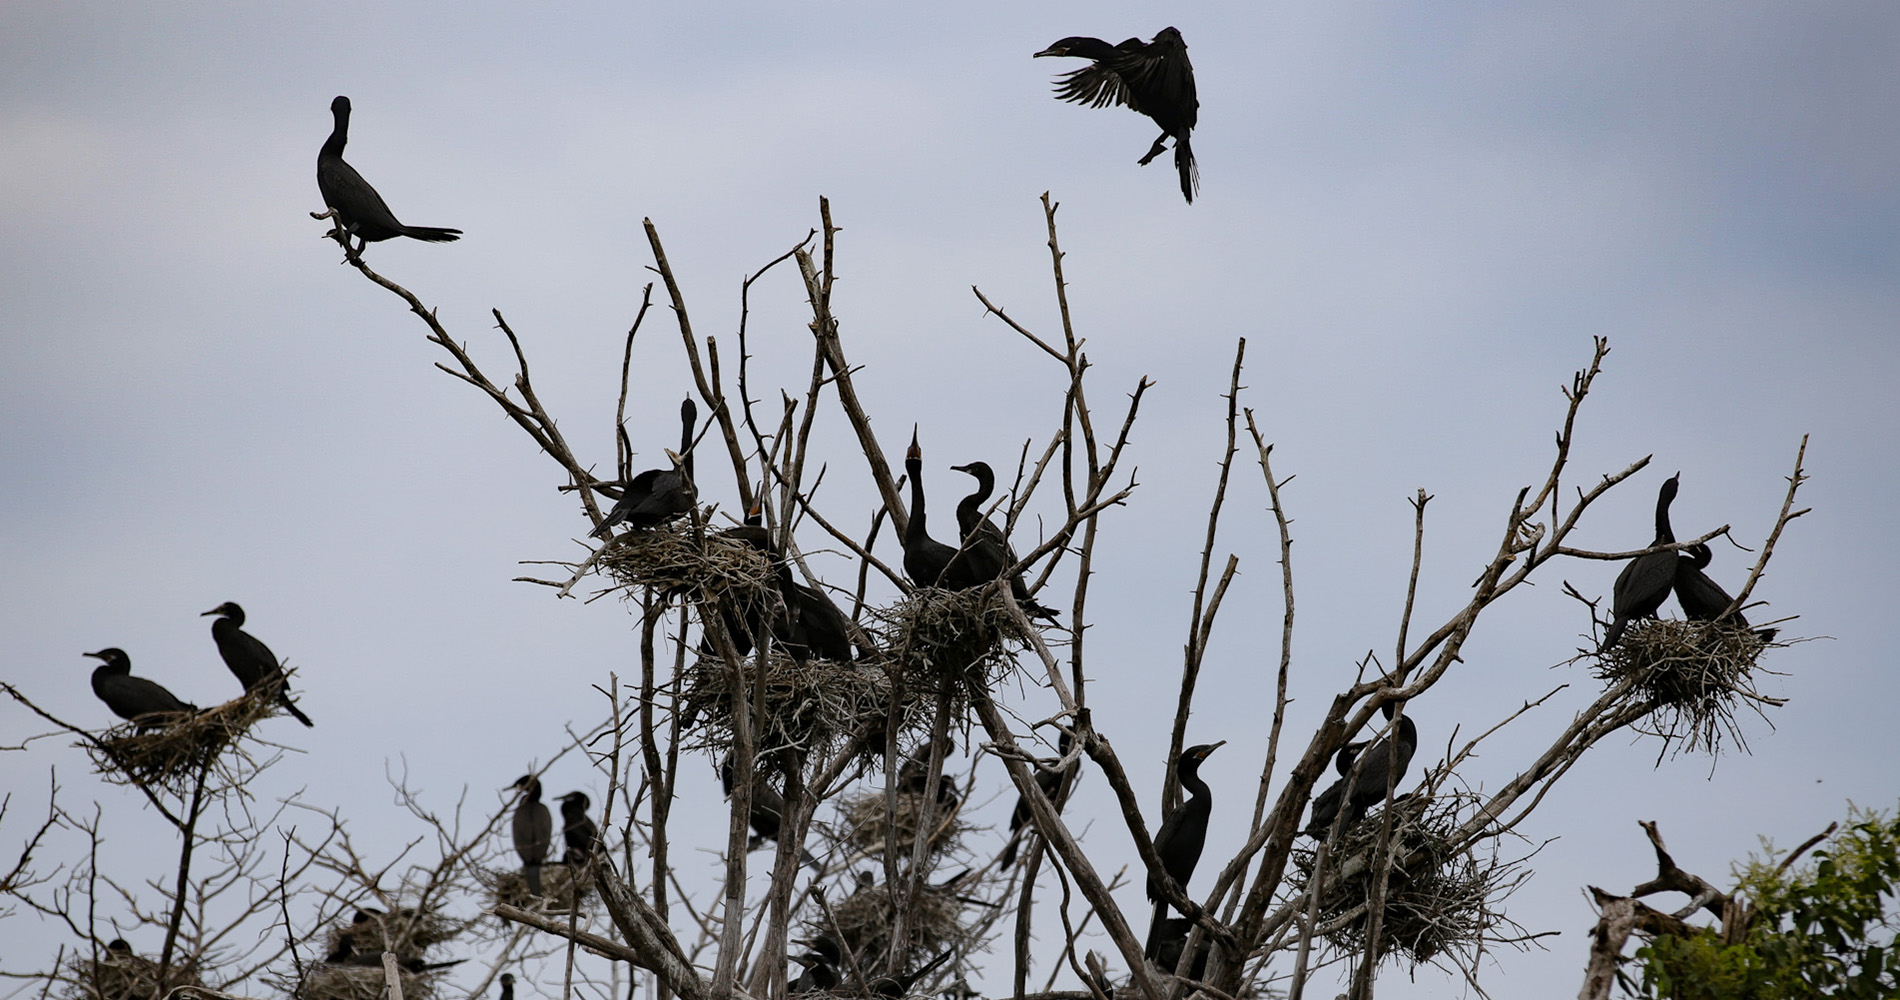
(1182, 835)
(507, 986)
(810, 625)
(1049, 779)
(358, 209)
(767, 815)
(533, 830)
(927, 560)
(899, 986)
(1702, 599)
(986, 551)
(1171, 941)
(821, 964)
(143, 701)
(1326, 803)
(1644, 584)
(580, 833)
(1153, 78)
(1383, 757)
(252, 661)
(657, 496)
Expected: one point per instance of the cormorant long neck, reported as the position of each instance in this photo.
(970, 508)
(1190, 773)
(1091, 48)
(1664, 534)
(333, 146)
(1700, 556)
(689, 414)
(914, 531)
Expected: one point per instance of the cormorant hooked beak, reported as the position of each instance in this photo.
(1053, 50)
(100, 655)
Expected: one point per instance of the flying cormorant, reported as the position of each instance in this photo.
(1153, 78)
(252, 661)
(135, 698)
(358, 209)
(1644, 584)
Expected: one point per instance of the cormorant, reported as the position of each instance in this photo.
(1383, 757)
(1183, 834)
(1153, 78)
(359, 210)
(533, 830)
(895, 987)
(767, 809)
(1702, 599)
(1326, 803)
(821, 966)
(136, 698)
(507, 986)
(1644, 584)
(925, 558)
(1171, 940)
(1049, 780)
(345, 953)
(985, 549)
(816, 626)
(252, 661)
(657, 496)
(580, 833)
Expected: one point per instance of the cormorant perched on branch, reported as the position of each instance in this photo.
(894, 987)
(1049, 780)
(358, 209)
(657, 496)
(580, 833)
(1326, 803)
(986, 551)
(533, 830)
(1702, 599)
(1171, 940)
(767, 815)
(1644, 584)
(134, 698)
(926, 560)
(1153, 78)
(1182, 835)
(252, 661)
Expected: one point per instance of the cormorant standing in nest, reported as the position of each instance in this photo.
(985, 549)
(926, 560)
(1644, 584)
(345, 953)
(533, 830)
(1049, 780)
(657, 496)
(1182, 835)
(252, 661)
(811, 625)
(580, 833)
(1326, 803)
(135, 698)
(1704, 600)
(358, 209)
(1384, 757)
(1153, 78)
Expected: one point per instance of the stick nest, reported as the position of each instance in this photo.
(1438, 900)
(675, 559)
(865, 919)
(1692, 674)
(863, 828)
(953, 634)
(560, 892)
(818, 705)
(408, 932)
(124, 976)
(170, 755)
(361, 982)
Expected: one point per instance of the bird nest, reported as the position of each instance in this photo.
(818, 705)
(951, 633)
(677, 558)
(865, 918)
(1692, 675)
(360, 982)
(561, 892)
(169, 755)
(1439, 900)
(864, 827)
(119, 975)
(408, 932)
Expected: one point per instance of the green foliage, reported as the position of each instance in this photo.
(1825, 929)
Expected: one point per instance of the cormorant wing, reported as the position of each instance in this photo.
(1157, 78)
(1095, 85)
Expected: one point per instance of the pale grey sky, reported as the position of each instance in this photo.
(1418, 216)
